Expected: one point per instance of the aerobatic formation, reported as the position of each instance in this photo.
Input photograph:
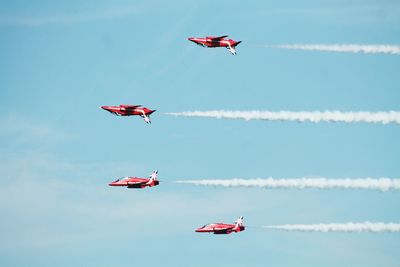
(383, 184)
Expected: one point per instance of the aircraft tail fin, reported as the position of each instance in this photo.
(153, 178)
(231, 50)
(146, 118)
(239, 226)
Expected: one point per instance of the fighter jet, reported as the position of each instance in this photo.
(135, 182)
(130, 110)
(213, 41)
(222, 228)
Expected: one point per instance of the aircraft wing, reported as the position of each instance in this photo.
(222, 231)
(130, 106)
(136, 183)
(216, 37)
(222, 228)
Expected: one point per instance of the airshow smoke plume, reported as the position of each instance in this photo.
(382, 184)
(375, 227)
(352, 48)
(383, 117)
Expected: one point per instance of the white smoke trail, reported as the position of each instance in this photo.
(353, 48)
(382, 184)
(383, 117)
(376, 227)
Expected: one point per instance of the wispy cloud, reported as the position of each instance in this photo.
(365, 13)
(375, 227)
(383, 117)
(382, 184)
(28, 130)
(33, 21)
(352, 48)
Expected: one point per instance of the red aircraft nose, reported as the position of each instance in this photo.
(200, 229)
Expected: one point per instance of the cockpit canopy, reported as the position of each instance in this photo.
(121, 179)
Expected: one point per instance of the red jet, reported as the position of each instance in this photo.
(135, 182)
(129, 110)
(222, 228)
(220, 41)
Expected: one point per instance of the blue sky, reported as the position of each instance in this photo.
(60, 61)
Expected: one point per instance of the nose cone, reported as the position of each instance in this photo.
(200, 229)
(192, 39)
(104, 107)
